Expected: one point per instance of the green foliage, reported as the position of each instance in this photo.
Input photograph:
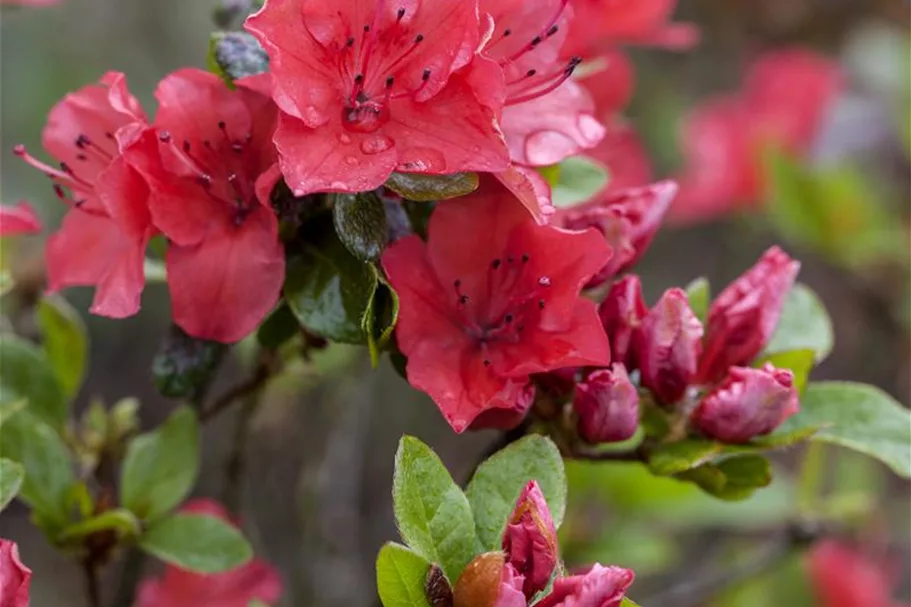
(497, 483)
(27, 375)
(236, 55)
(65, 342)
(699, 294)
(360, 222)
(11, 476)
(734, 478)
(184, 365)
(859, 417)
(418, 187)
(433, 515)
(804, 325)
(197, 542)
(38, 448)
(279, 327)
(800, 362)
(578, 180)
(379, 322)
(401, 575)
(161, 466)
(121, 521)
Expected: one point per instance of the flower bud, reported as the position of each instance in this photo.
(628, 219)
(607, 404)
(489, 581)
(530, 540)
(621, 313)
(601, 586)
(749, 402)
(743, 317)
(668, 345)
(15, 578)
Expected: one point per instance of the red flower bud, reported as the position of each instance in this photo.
(530, 540)
(607, 404)
(668, 345)
(621, 312)
(628, 219)
(743, 317)
(489, 581)
(15, 578)
(749, 402)
(600, 587)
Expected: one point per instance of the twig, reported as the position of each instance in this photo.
(129, 578)
(236, 463)
(92, 582)
(251, 386)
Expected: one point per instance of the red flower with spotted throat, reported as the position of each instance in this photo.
(491, 298)
(371, 86)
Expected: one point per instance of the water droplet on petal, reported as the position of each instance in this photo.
(352, 160)
(344, 138)
(376, 145)
(422, 160)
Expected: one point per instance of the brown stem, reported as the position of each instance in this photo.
(129, 577)
(92, 581)
(246, 388)
(236, 463)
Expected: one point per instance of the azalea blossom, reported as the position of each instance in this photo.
(235, 588)
(18, 219)
(368, 88)
(15, 578)
(841, 575)
(212, 166)
(600, 586)
(104, 234)
(785, 97)
(491, 298)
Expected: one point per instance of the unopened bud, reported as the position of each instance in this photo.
(621, 313)
(530, 540)
(607, 404)
(601, 586)
(489, 581)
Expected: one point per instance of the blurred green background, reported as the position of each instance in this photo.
(316, 496)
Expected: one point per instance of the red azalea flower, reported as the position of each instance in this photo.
(235, 588)
(841, 575)
(104, 235)
(212, 165)
(599, 587)
(784, 99)
(547, 116)
(366, 88)
(491, 298)
(19, 219)
(15, 578)
(611, 83)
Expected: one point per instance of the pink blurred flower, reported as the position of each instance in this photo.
(841, 575)
(15, 578)
(599, 587)
(18, 219)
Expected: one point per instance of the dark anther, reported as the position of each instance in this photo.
(58, 191)
(531, 73)
(359, 78)
(82, 141)
(349, 42)
(207, 144)
(495, 263)
(425, 76)
(508, 318)
(81, 157)
(366, 28)
(66, 168)
(221, 125)
(486, 363)
(419, 38)
(525, 258)
(186, 145)
(399, 14)
(553, 30)
(463, 299)
(389, 81)
(362, 97)
(237, 147)
(164, 136)
(540, 304)
(507, 32)
(536, 41)
(109, 135)
(457, 283)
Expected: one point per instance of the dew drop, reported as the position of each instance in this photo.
(352, 160)
(376, 145)
(344, 138)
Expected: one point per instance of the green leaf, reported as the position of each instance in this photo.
(627, 603)
(419, 187)
(579, 180)
(160, 467)
(400, 576)
(280, 326)
(184, 365)
(804, 325)
(360, 222)
(197, 542)
(859, 417)
(699, 294)
(65, 342)
(800, 362)
(28, 440)
(123, 522)
(10, 408)
(380, 320)
(329, 290)
(236, 55)
(735, 478)
(497, 483)
(11, 476)
(26, 375)
(433, 515)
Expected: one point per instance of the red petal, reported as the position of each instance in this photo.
(223, 287)
(19, 219)
(531, 189)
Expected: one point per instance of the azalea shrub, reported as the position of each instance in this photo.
(447, 188)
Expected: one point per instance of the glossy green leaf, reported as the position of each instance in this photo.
(27, 375)
(734, 478)
(433, 515)
(497, 483)
(197, 542)
(419, 187)
(11, 476)
(401, 575)
(161, 466)
(579, 180)
(360, 222)
(329, 290)
(279, 327)
(65, 342)
(236, 55)
(804, 325)
(28, 440)
(121, 521)
(184, 365)
(699, 294)
(859, 417)
(800, 362)
(381, 318)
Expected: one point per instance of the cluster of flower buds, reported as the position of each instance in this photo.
(529, 562)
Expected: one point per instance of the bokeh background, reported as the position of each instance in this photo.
(316, 489)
